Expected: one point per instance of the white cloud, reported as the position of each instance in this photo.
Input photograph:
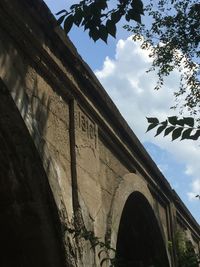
(195, 190)
(132, 90)
(108, 68)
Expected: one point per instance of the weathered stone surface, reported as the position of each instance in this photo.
(71, 169)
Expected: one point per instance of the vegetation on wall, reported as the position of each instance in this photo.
(172, 37)
(104, 248)
(185, 251)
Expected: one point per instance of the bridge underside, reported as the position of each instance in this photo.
(29, 224)
(140, 242)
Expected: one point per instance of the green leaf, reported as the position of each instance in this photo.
(186, 134)
(68, 23)
(153, 120)
(180, 122)
(164, 123)
(103, 4)
(177, 133)
(172, 120)
(103, 33)
(111, 28)
(87, 10)
(62, 11)
(94, 34)
(78, 16)
(160, 129)
(151, 126)
(169, 130)
(115, 17)
(195, 136)
(189, 121)
(74, 6)
(87, 24)
(60, 20)
(95, 10)
(134, 15)
(138, 6)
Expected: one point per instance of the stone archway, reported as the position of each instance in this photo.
(133, 211)
(29, 224)
(139, 242)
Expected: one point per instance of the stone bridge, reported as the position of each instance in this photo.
(71, 169)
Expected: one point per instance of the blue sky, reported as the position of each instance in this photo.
(121, 67)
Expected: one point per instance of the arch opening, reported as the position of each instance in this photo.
(139, 241)
(30, 234)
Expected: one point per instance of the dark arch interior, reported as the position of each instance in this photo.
(140, 242)
(29, 225)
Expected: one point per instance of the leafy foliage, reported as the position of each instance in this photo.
(185, 251)
(173, 39)
(104, 247)
(172, 36)
(178, 128)
(100, 20)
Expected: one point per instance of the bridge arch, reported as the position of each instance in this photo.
(139, 241)
(137, 231)
(29, 225)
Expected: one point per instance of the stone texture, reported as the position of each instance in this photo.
(76, 164)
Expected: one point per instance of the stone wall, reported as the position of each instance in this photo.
(80, 151)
